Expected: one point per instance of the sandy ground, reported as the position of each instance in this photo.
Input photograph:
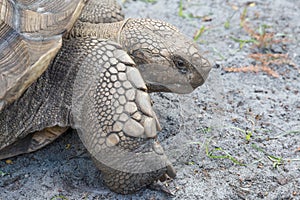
(237, 137)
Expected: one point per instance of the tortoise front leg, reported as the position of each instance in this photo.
(115, 120)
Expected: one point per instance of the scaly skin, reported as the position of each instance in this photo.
(95, 87)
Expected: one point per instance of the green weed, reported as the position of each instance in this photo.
(2, 173)
(59, 197)
(182, 14)
(199, 33)
(222, 57)
(276, 160)
(190, 163)
(149, 1)
(227, 23)
(243, 42)
(204, 130)
(247, 133)
(243, 17)
(212, 154)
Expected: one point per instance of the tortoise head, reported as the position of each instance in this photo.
(167, 60)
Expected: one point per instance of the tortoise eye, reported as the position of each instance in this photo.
(181, 65)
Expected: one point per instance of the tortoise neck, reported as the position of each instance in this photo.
(109, 31)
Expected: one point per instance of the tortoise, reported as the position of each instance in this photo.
(80, 64)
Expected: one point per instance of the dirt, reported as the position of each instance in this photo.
(236, 137)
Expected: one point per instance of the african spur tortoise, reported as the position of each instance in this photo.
(79, 64)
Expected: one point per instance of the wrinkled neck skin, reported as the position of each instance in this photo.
(109, 31)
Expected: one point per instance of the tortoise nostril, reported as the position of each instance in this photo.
(206, 63)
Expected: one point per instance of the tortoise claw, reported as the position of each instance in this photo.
(171, 172)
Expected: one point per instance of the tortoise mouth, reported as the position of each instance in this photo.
(166, 78)
(171, 88)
